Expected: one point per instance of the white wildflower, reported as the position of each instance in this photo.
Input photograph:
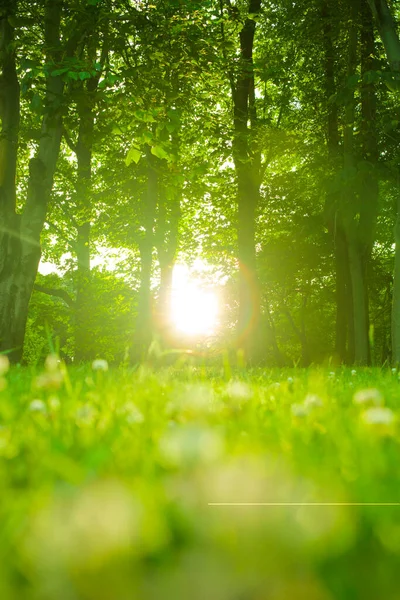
(52, 363)
(239, 390)
(368, 396)
(312, 400)
(353, 372)
(4, 364)
(100, 365)
(378, 416)
(49, 380)
(38, 406)
(331, 375)
(299, 410)
(132, 413)
(290, 380)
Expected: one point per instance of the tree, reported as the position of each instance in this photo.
(20, 231)
(247, 159)
(388, 32)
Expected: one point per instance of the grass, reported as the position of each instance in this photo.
(106, 480)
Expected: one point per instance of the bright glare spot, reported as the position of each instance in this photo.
(194, 308)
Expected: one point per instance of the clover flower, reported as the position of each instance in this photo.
(312, 401)
(238, 390)
(100, 364)
(368, 396)
(132, 414)
(52, 363)
(51, 380)
(299, 410)
(378, 416)
(38, 406)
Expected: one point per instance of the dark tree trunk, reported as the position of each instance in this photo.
(396, 294)
(362, 220)
(166, 241)
(343, 299)
(271, 329)
(83, 343)
(144, 322)
(354, 210)
(86, 97)
(20, 234)
(390, 38)
(247, 165)
(344, 341)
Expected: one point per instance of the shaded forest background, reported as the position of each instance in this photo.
(260, 137)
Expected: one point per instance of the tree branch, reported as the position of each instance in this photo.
(69, 141)
(58, 293)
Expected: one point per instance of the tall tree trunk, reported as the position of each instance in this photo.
(247, 165)
(360, 302)
(20, 234)
(168, 218)
(396, 293)
(353, 207)
(388, 32)
(344, 342)
(279, 357)
(167, 245)
(390, 38)
(86, 95)
(144, 321)
(344, 345)
(83, 345)
(300, 334)
(370, 153)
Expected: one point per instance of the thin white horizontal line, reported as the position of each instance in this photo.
(303, 503)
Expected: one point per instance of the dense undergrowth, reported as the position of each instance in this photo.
(108, 480)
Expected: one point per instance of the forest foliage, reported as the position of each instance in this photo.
(262, 138)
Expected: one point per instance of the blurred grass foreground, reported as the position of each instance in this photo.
(110, 481)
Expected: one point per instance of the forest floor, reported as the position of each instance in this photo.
(121, 484)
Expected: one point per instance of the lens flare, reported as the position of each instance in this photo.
(194, 308)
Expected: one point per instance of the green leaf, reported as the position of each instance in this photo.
(147, 137)
(161, 153)
(117, 129)
(353, 80)
(36, 103)
(59, 72)
(144, 115)
(133, 155)
(73, 75)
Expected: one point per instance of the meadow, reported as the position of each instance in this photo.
(198, 483)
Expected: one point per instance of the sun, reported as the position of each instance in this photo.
(194, 307)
